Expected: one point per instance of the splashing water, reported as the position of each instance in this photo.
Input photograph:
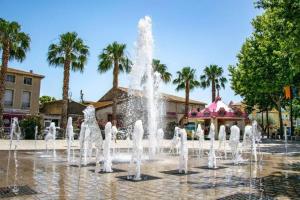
(142, 78)
(70, 139)
(212, 161)
(137, 149)
(106, 149)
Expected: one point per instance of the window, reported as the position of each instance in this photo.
(10, 78)
(27, 81)
(8, 98)
(26, 99)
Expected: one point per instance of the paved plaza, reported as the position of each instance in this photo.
(277, 176)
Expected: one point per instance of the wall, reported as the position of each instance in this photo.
(18, 87)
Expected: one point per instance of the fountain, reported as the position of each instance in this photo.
(137, 149)
(200, 134)
(160, 137)
(35, 136)
(256, 138)
(114, 132)
(247, 138)
(70, 140)
(183, 156)
(222, 140)
(51, 135)
(143, 78)
(15, 131)
(107, 163)
(212, 161)
(174, 148)
(234, 141)
(90, 134)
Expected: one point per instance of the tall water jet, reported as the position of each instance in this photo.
(183, 157)
(174, 148)
(137, 149)
(90, 134)
(256, 138)
(212, 161)
(234, 141)
(143, 78)
(70, 139)
(106, 149)
(247, 138)
(36, 129)
(222, 140)
(200, 135)
(15, 131)
(160, 137)
(114, 132)
(51, 135)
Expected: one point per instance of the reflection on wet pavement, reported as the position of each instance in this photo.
(278, 177)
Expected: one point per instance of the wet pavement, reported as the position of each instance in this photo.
(277, 176)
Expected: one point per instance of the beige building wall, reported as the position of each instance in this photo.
(171, 107)
(19, 87)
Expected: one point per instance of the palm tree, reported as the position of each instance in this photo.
(70, 53)
(186, 80)
(14, 44)
(114, 56)
(162, 69)
(213, 76)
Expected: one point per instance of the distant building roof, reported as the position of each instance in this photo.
(88, 102)
(55, 107)
(21, 72)
(218, 109)
(101, 104)
(167, 97)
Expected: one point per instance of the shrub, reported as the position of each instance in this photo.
(28, 125)
(297, 131)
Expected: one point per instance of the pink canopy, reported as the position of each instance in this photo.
(218, 109)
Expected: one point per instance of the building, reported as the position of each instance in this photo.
(22, 92)
(174, 106)
(51, 112)
(219, 114)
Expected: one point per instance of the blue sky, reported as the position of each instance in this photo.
(192, 33)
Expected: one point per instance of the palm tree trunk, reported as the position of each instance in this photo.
(187, 98)
(213, 91)
(115, 87)
(5, 58)
(64, 113)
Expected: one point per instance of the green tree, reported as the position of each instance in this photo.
(70, 53)
(266, 62)
(186, 80)
(213, 76)
(46, 99)
(162, 69)
(114, 56)
(286, 12)
(13, 44)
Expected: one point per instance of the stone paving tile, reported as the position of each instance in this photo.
(279, 178)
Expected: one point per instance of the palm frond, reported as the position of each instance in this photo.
(70, 48)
